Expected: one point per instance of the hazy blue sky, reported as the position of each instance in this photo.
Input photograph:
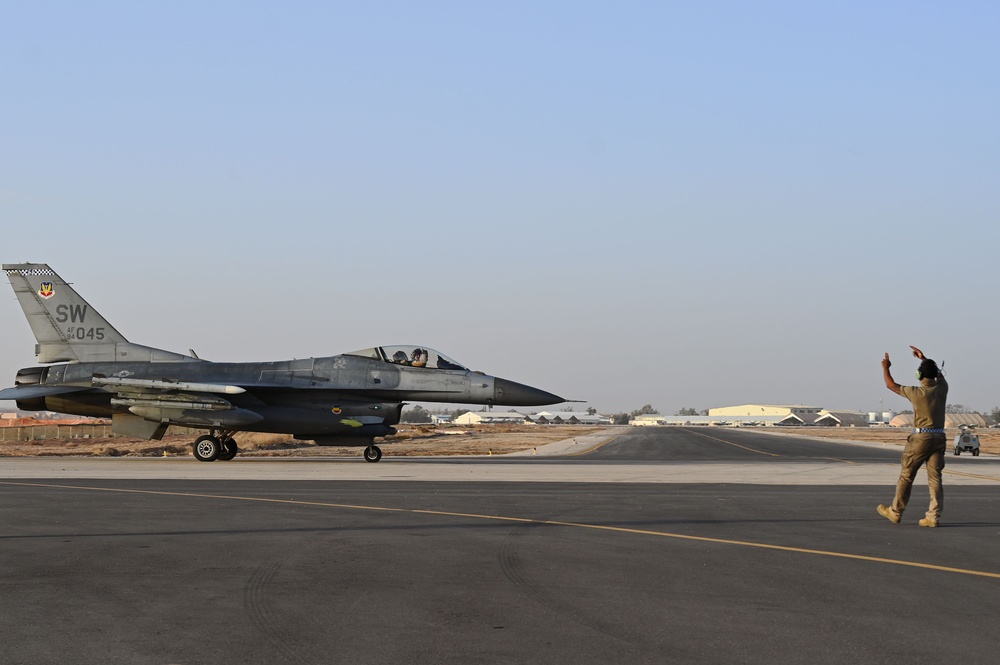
(676, 203)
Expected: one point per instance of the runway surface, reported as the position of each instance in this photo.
(657, 545)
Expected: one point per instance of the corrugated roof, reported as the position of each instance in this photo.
(950, 420)
(843, 418)
(495, 414)
(770, 406)
(720, 420)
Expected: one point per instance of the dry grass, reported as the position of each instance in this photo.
(411, 440)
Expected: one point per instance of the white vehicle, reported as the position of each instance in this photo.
(967, 440)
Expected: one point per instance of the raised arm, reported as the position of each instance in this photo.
(890, 383)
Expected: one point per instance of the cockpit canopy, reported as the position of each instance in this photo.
(411, 356)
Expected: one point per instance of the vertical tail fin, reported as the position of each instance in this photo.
(65, 326)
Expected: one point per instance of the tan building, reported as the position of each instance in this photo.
(489, 418)
(950, 420)
(648, 420)
(788, 414)
(807, 414)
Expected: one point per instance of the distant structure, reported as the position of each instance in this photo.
(805, 414)
(762, 415)
(650, 420)
(568, 418)
(515, 418)
(950, 420)
(489, 418)
(841, 419)
(884, 418)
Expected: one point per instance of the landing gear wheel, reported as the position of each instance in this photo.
(373, 453)
(207, 448)
(229, 449)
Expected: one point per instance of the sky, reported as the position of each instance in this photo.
(680, 204)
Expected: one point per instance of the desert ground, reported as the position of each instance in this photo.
(413, 440)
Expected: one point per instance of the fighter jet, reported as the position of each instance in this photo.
(343, 400)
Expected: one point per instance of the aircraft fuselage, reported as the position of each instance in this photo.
(302, 397)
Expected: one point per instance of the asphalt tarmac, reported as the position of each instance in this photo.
(657, 545)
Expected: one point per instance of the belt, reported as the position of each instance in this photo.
(928, 430)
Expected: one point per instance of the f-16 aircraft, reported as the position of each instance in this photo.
(344, 400)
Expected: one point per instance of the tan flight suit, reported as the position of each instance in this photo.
(929, 400)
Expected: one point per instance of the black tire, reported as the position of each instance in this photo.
(228, 449)
(207, 448)
(957, 452)
(975, 453)
(373, 453)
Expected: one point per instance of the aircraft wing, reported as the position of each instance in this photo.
(30, 392)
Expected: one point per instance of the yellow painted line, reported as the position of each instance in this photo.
(730, 443)
(961, 474)
(526, 520)
(835, 459)
(971, 475)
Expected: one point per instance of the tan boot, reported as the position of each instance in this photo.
(889, 514)
(927, 521)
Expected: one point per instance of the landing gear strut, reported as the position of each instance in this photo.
(229, 449)
(209, 447)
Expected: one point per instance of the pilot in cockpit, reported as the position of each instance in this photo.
(419, 358)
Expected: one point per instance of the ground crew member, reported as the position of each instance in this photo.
(927, 443)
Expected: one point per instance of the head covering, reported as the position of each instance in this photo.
(928, 369)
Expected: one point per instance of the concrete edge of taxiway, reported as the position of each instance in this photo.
(481, 468)
(576, 445)
(587, 442)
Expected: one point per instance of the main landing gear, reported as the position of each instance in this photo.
(210, 447)
(222, 446)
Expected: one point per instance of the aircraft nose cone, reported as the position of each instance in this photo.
(509, 393)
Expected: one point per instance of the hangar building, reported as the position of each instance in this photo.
(489, 417)
(805, 413)
(950, 420)
(766, 415)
